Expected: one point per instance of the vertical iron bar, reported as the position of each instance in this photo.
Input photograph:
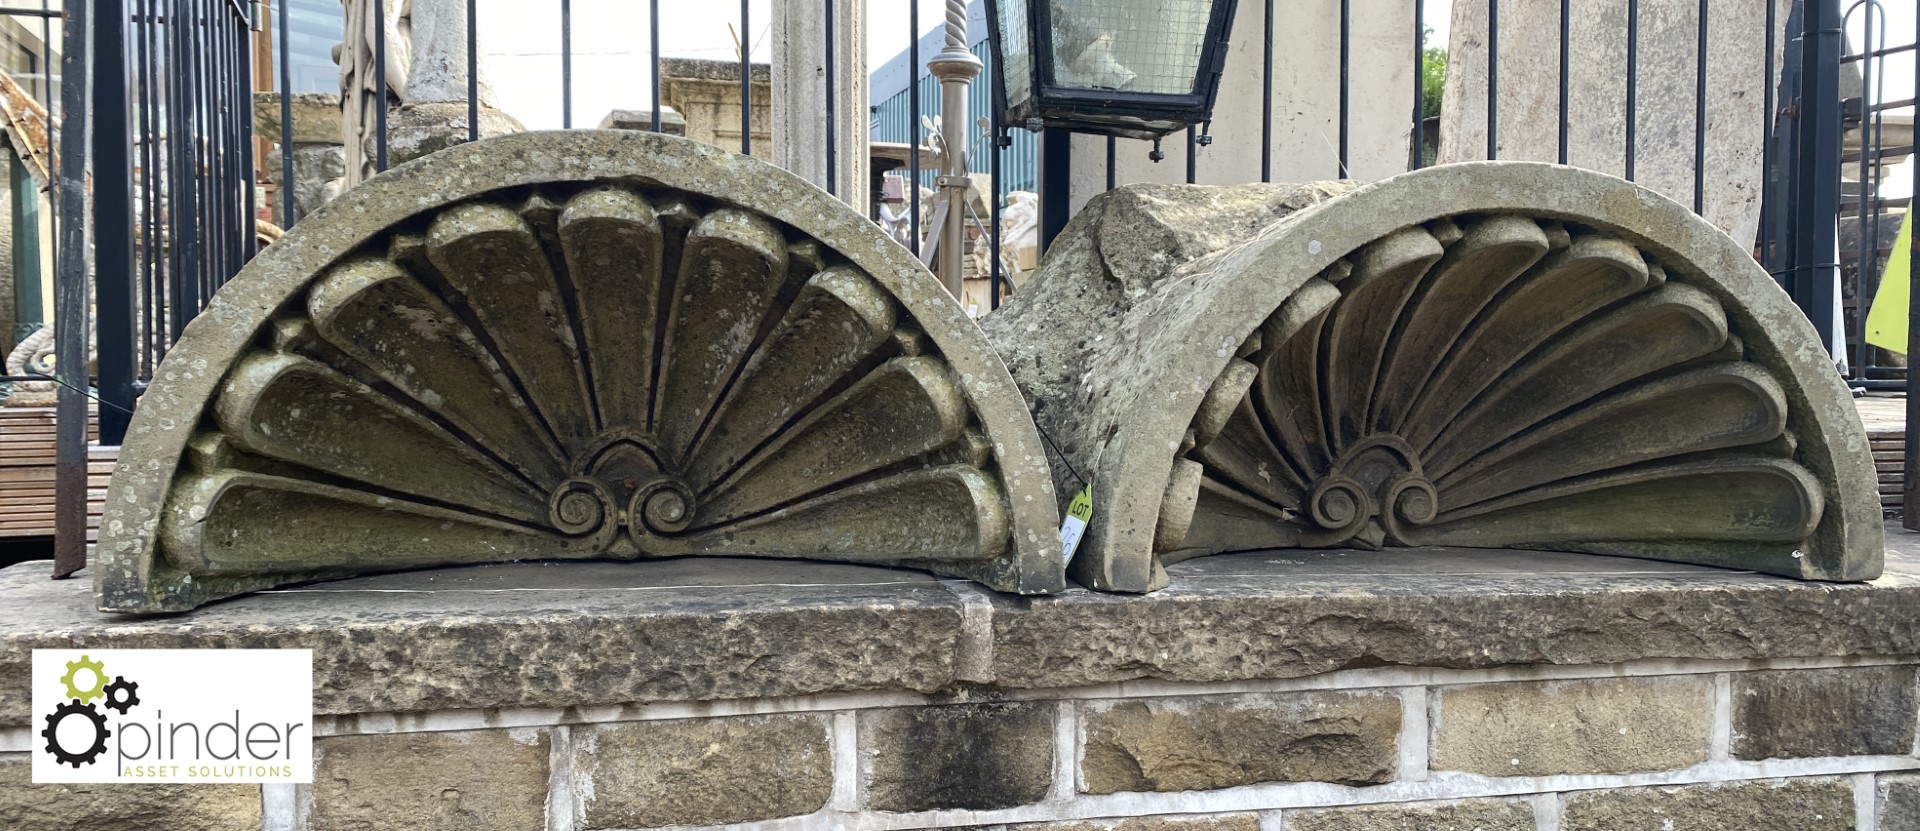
(746, 81)
(1111, 142)
(1700, 118)
(113, 219)
(70, 302)
(473, 72)
(833, 187)
(1193, 156)
(178, 193)
(1633, 80)
(46, 99)
(184, 214)
(653, 34)
(249, 244)
(995, 275)
(1056, 186)
(203, 186)
(1768, 193)
(380, 84)
(998, 141)
(1566, 27)
(151, 301)
(1816, 203)
(1266, 99)
(1346, 87)
(1419, 142)
(285, 86)
(1865, 248)
(1493, 79)
(913, 123)
(1910, 463)
(566, 61)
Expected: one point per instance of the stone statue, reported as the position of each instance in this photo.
(361, 101)
(427, 97)
(576, 345)
(33, 355)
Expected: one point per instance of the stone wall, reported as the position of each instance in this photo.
(1735, 745)
(1314, 691)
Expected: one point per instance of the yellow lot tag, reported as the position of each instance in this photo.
(1075, 525)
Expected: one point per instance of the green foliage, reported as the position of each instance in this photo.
(1433, 78)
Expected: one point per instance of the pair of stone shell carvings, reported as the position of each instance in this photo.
(621, 345)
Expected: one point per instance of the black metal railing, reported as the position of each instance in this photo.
(173, 178)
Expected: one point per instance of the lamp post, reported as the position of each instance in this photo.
(1129, 68)
(956, 67)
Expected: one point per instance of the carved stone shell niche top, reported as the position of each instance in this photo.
(1482, 355)
(589, 344)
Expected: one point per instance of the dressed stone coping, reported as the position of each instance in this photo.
(570, 635)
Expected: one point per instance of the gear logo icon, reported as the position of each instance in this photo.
(122, 695)
(72, 709)
(87, 694)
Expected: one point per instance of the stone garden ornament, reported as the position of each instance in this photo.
(1484, 355)
(590, 344)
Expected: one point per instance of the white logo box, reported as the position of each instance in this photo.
(172, 715)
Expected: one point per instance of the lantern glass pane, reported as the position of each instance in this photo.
(1144, 46)
(1016, 44)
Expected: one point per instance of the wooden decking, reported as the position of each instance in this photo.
(1886, 420)
(26, 473)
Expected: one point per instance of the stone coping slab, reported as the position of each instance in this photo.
(583, 634)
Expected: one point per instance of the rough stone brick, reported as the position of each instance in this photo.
(1791, 805)
(1203, 743)
(467, 781)
(965, 756)
(1469, 815)
(1545, 728)
(1900, 802)
(1785, 714)
(25, 806)
(703, 771)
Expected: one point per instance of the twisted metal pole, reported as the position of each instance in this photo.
(956, 67)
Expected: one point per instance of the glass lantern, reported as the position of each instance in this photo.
(1129, 68)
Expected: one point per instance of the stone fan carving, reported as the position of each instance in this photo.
(1497, 382)
(585, 366)
(1494, 354)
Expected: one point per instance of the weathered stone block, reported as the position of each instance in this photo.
(467, 781)
(1783, 714)
(1445, 359)
(971, 756)
(25, 806)
(1181, 744)
(316, 117)
(834, 382)
(1791, 805)
(1899, 802)
(1469, 815)
(703, 771)
(1609, 725)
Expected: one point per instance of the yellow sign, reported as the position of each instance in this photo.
(1887, 320)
